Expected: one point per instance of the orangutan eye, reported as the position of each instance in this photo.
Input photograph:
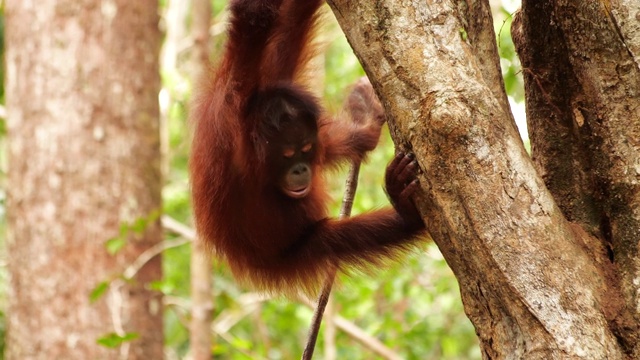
(307, 147)
(288, 153)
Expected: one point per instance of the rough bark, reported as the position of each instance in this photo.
(534, 272)
(582, 87)
(82, 85)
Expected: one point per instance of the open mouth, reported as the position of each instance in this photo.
(298, 192)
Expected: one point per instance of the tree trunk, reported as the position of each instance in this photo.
(201, 337)
(545, 251)
(82, 87)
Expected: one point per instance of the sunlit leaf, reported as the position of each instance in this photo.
(98, 291)
(115, 245)
(113, 340)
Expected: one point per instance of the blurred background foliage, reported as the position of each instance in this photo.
(413, 306)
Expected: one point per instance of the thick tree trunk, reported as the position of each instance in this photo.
(582, 84)
(533, 262)
(82, 85)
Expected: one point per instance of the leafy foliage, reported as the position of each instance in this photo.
(509, 62)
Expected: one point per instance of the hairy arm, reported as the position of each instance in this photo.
(353, 139)
(289, 50)
(369, 237)
(344, 140)
(250, 26)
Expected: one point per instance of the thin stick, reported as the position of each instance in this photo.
(345, 211)
(317, 316)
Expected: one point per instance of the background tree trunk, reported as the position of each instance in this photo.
(82, 87)
(201, 336)
(546, 252)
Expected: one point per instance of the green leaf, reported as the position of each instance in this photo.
(463, 34)
(115, 245)
(140, 225)
(242, 344)
(164, 287)
(124, 229)
(98, 291)
(113, 340)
